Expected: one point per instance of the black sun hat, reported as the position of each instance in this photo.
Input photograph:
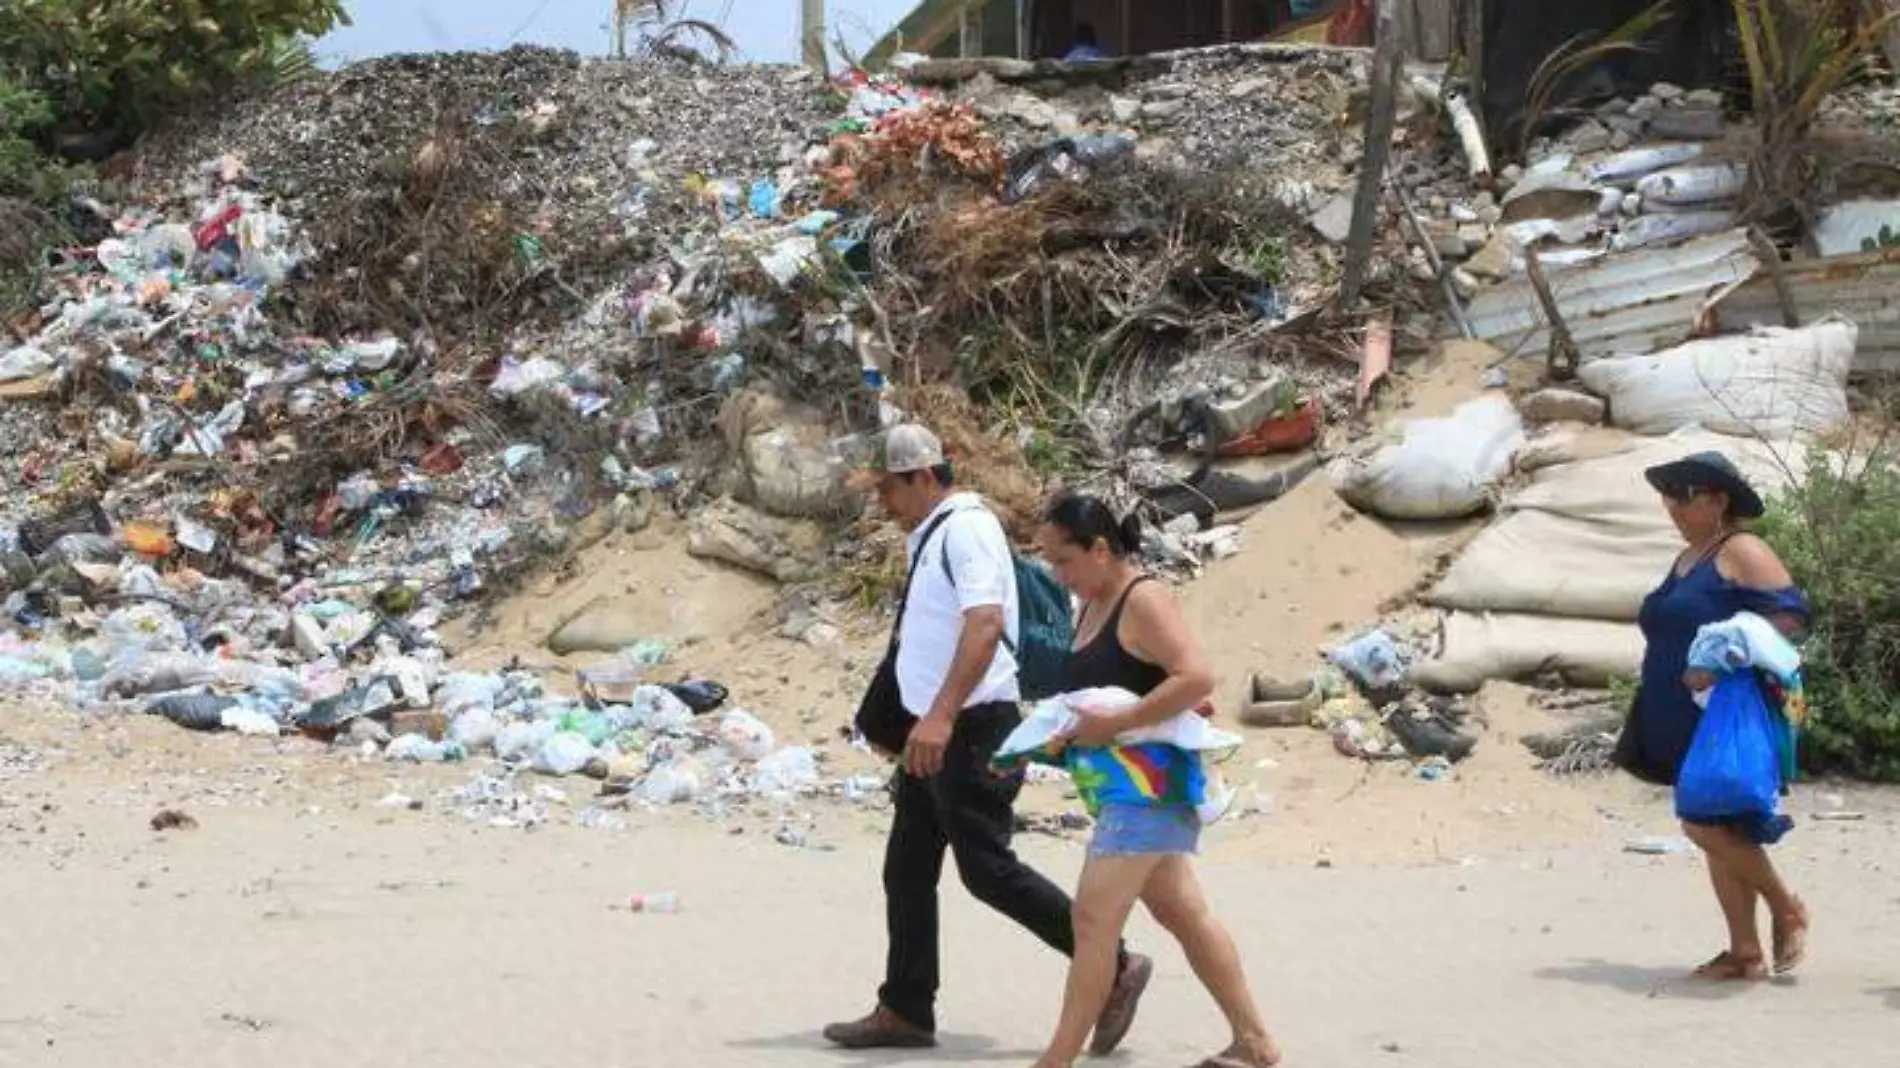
(1709, 471)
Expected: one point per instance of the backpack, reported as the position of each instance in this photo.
(1045, 626)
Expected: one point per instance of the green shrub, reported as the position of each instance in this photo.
(1839, 534)
(119, 65)
(24, 172)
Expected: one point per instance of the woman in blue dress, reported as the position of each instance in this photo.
(1723, 571)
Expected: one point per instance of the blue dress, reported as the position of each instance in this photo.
(1663, 719)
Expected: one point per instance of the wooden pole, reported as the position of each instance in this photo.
(1387, 66)
(970, 39)
(811, 34)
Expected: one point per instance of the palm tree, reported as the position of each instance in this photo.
(659, 33)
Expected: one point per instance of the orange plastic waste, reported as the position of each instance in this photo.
(146, 538)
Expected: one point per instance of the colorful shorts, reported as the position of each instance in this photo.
(1139, 830)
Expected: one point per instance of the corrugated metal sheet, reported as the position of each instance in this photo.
(1628, 303)
(1863, 287)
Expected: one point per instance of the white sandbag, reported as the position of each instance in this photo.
(1439, 468)
(1590, 538)
(1774, 384)
(1480, 647)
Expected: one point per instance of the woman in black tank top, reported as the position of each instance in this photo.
(1131, 636)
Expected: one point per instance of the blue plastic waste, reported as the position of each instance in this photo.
(1733, 770)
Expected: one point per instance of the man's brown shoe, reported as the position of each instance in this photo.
(1119, 1014)
(883, 1029)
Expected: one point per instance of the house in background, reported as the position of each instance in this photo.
(1045, 29)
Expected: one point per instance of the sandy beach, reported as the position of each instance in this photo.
(1492, 918)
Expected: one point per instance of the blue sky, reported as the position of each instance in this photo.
(766, 30)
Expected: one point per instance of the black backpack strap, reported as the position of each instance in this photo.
(943, 554)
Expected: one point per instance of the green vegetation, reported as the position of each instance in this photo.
(1839, 533)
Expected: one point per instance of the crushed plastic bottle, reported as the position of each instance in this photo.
(418, 749)
(666, 901)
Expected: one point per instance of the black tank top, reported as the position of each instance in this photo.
(1103, 662)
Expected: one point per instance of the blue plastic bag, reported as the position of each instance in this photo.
(1733, 769)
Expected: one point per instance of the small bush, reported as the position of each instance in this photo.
(1839, 534)
(118, 65)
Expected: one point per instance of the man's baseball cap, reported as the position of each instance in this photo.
(909, 447)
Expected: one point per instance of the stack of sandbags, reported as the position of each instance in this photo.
(1555, 583)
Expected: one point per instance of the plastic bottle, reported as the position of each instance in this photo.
(660, 903)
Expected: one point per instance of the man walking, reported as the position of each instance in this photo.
(956, 680)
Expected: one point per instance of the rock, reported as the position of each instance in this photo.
(1334, 221)
(1590, 137)
(1162, 110)
(1472, 237)
(1707, 98)
(601, 626)
(1646, 108)
(1690, 124)
(1030, 111)
(593, 529)
(1493, 262)
(1563, 406)
(789, 467)
(1247, 88)
(1124, 109)
(1634, 129)
(1446, 241)
(1510, 175)
(1632, 204)
(1465, 283)
(1484, 199)
(1618, 106)
(1620, 140)
(633, 511)
(788, 550)
(1461, 213)
(1170, 91)
(1666, 92)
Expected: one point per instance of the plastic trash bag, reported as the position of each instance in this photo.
(1373, 660)
(744, 735)
(787, 771)
(518, 741)
(1733, 770)
(1030, 740)
(564, 754)
(475, 728)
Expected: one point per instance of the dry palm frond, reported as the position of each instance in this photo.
(660, 33)
(1576, 54)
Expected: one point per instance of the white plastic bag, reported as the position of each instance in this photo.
(517, 741)
(1440, 469)
(563, 754)
(1185, 730)
(658, 710)
(788, 771)
(669, 784)
(746, 737)
(475, 727)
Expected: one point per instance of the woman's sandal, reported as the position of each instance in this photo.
(1234, 1057)
(1791, 939)
(1728, 968)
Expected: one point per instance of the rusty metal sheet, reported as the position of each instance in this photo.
(1863, 287)
(1623, 304)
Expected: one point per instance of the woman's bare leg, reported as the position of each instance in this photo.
(1175, 899)
(1104, 897)
(1742, 875)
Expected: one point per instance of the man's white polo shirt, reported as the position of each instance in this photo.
(978, 552)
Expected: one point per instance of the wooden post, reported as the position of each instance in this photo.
(970, 40)
(811, 34)
(1226, 21)
(1022, 29)
(1387, 66)
(1127, 29)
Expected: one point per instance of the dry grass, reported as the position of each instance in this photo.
(451, 239)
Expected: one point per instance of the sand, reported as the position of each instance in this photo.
(1493, 918)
